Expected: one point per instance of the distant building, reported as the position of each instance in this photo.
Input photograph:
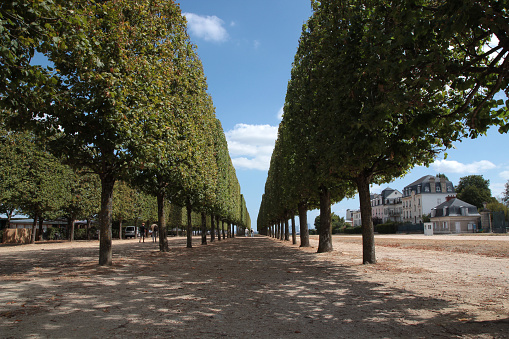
(354, 216)
(422, 195)
(387, 206)
(455, 216)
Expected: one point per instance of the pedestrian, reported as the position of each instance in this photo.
(154, 232)
(252, 232)
(142, 232)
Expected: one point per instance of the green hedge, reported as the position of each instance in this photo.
(387, 228)
(353, 230)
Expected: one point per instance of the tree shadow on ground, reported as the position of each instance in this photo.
(242, 287)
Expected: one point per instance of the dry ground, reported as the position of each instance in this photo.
(422, 287)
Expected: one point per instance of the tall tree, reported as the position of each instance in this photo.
(505, 194)
(112, 59)
(474, 189)
(381, 108)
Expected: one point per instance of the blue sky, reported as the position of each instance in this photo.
(247, 49)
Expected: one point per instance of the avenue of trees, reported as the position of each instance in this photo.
(378, 87)
(125, 99)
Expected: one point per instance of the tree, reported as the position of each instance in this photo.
(383, 101)
(505, 197)
(123, 204)
(14, 150)
(113, 64)
(83, 200)
(25, 28)
(42, 184)
(474, 189)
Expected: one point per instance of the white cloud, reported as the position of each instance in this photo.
(256, 44)
(251, 146)
(209, 28)
(457, 167)
(280, 113)
(497, 189)
(504, 175)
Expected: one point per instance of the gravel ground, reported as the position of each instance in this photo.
(422, 287)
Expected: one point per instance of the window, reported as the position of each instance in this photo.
(419, 202)
(438, 188)
(426, 189)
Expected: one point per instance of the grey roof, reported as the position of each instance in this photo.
(425, 184)
(454, 207)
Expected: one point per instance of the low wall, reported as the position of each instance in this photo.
(17, 236)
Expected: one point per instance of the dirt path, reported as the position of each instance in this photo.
(250, 288)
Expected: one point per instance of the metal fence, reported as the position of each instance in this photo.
(411, 228)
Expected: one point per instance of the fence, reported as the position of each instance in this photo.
(411, 228)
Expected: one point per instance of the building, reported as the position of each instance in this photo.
(387, 206)
(455, 216)
(354, 216)
(424, 194)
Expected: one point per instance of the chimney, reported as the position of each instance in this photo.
(449, 197)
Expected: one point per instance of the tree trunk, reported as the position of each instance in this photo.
(325, 231)
(105, 250)
(218, 230)
(294, 235)
(161, 216)
(88, 229)
(368, 232)
(222, 226)
(9, 217)
(287, 229)
(203, 228)
(282, 230)
(34, 230)
(120, 228)
(189, 232)
(212, 229)
(303, 220)
(71, 232)
(41, 221)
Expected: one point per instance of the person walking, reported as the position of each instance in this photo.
(154, 232)
(142, 232)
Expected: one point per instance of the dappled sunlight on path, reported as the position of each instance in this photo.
(242, 287)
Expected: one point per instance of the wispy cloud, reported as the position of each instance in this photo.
(251, 146)
(208, 28)
(458, 167)
(504, 175)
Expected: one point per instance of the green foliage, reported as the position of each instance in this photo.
(496, 206)
(505, 194)
(353, 230)
(387, 228)
(474, 189)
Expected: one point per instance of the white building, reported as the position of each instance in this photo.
(387, 206)
(424, 194)
(354, 216)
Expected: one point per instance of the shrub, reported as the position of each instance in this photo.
(353, 230)
(387, 228)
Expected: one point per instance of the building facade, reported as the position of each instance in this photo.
(388, 205)
(455, 216)
(421, 196)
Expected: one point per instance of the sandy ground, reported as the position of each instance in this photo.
(422, 287)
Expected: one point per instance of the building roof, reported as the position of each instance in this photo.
(424, 185)
(453, 207)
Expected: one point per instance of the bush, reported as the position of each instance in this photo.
(387, 228)
(353, 230)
